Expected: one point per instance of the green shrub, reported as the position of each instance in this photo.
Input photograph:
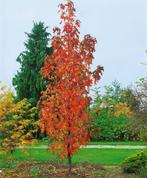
(143, 173)
(143, 136)
(135, 164)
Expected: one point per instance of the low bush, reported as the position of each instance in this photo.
(135, 164)
(143, 173)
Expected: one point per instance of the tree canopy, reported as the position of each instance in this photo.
(63, 106)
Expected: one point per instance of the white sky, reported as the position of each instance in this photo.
(120, 27)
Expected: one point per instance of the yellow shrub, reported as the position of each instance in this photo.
(17, 124)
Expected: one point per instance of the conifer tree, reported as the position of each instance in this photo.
(28, 82)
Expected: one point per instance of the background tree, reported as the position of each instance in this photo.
(63, 106)
(28, 82)
(113, 113)
(141, 115)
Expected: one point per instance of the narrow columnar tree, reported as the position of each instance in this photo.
(63, 106)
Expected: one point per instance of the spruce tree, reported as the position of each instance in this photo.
(28, 82)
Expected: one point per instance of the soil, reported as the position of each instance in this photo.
(51, 170)
(56, 170)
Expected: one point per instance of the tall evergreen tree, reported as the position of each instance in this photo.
(28, 82)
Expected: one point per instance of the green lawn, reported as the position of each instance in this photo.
(97, 156)
(46, 142)
(107, 157)
(104, 156)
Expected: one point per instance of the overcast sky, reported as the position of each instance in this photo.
(120, 27)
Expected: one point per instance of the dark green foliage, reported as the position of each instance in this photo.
(28, 82)
(135, 164)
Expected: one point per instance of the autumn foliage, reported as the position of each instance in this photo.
(16, 119)
(63, 106)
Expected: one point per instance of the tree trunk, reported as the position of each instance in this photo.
(69, 155)
(69, 164)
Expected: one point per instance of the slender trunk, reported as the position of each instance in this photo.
(69, 155)
(69, 164)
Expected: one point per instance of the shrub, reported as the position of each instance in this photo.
(135, 164)
(143, 135)
(17, 124)
(143, 173)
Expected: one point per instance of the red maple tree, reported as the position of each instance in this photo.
(63, 106)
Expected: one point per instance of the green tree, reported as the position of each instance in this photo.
(113, 113)
(28, 82)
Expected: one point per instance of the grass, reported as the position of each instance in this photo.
(109, 158)
(46, 142)
(93, 155)
(104, 156)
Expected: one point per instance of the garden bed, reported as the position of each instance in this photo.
(55, 170)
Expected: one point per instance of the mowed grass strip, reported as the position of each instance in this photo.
(93, 155)
(46, 142)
